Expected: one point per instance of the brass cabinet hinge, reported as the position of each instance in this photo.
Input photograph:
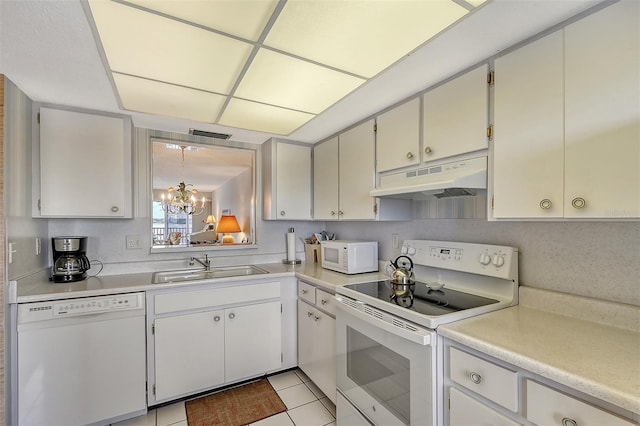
(375, 208)
(153, 328)
(491, 78)
(38, 118)
(490, 131)
(375, 127)
(492, 201)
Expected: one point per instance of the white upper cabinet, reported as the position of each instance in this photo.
(286, 181)
(325, 180)
(602, 114)
(567, 121)
(357, 172)
(85, 165)
(528, 131)
(456, 116)
(398, 137)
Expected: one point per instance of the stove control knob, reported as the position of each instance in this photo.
(498, 261)
(485, 259)
(403, 250)
(411, 251)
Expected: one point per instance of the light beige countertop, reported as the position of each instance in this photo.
(38, 288)
(593, 357)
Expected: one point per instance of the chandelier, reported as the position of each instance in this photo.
(182, 199)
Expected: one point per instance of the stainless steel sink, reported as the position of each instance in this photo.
(201, 274)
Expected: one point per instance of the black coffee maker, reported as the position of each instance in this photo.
(70, 262)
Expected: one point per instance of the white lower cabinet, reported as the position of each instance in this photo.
(464, 411)
(212, 335)
(317, 338)
(481, 390)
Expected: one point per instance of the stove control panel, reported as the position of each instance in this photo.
(482, 259)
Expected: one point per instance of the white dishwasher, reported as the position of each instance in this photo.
(81, 361)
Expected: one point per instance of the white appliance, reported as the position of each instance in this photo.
(81, 361)
(389, 355)
(350, 256)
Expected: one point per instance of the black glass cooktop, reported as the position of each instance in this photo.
(420, 298)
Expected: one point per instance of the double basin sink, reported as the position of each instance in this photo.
(202, 274)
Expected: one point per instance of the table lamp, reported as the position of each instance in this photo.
(228, 224)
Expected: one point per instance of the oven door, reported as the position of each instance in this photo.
(385, 365)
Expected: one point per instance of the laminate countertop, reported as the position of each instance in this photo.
(38, 288)
(591, 346)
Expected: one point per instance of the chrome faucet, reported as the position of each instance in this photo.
(206, 263)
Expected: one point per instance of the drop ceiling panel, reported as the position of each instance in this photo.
(245, 19)
(153, 97)
(282, 80)
(362, 37)
(265, 118)
(147, 45)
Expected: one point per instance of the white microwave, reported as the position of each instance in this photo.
(350, 257)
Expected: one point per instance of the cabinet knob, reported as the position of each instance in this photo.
(340, 212)
(232, 315)
(281, 212)
(216, 318)
(115, 209)
(305, 291)
(323, 301)
(475, 377)
(428, 150)
(309, 314)
(333, 212)
(578, 202)
(409, 155)
(316, 318)
(545, 204)
(566, 421)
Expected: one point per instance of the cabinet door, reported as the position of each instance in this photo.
(189, 353)
(325, 180)
(602, 89)
(317, 348)
(85, 165)
(357, 172)
(293, 180)
(398, 137)
(464, 411)
(253, 340)
(456, 116)
(528, 163)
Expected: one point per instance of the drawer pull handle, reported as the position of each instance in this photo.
(569, 422)
(475, 378)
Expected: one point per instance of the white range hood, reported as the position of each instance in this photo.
(453, 179)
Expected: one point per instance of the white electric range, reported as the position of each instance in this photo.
(389, 361)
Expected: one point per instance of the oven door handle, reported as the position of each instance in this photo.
(413, 333)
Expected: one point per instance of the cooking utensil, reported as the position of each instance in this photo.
(401, 274)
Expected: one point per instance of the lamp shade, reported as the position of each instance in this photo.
(210, 219)
(228, 224)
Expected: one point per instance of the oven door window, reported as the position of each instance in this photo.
(381, 372)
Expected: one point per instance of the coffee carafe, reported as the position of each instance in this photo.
(70, 262)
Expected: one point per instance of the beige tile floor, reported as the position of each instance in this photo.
(306, 406)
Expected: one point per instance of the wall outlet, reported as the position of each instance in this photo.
(395, 241)
(133, 242)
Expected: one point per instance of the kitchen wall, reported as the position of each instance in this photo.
(593, 259)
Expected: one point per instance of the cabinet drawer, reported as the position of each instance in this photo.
(546, 406)
(218, 296)
(325, 301)
(489, 380)
(307, 292)
(464, 410)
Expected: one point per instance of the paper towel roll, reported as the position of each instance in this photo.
(291, 245)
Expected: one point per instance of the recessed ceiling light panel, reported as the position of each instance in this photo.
(362, 37)
(245, 19)
(263, 118)
(147, 45)
(285, 81)
(152, 97)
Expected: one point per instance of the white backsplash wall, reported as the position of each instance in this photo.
(592, 259)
